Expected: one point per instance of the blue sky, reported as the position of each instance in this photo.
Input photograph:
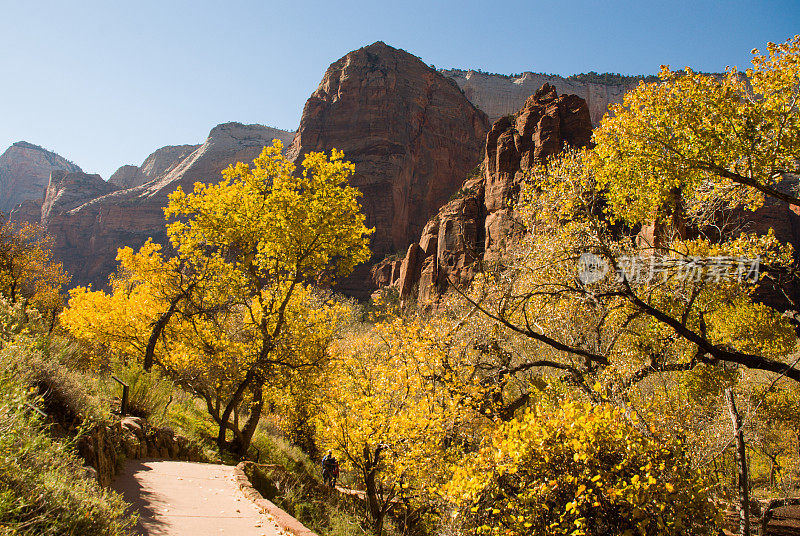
(106, 83)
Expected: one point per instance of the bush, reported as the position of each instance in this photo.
(149, 393)
(582, 470)
(189, 418)
(42, 490)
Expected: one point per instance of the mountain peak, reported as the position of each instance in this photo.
(25, 171)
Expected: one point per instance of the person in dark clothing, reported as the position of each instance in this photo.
(330, 469)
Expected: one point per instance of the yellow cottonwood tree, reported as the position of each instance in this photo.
(119, 324)
(27, 269)
(388, 415)
(658, 318)
(271, 232)
(576, 469)
(704, 137)
(236, 306)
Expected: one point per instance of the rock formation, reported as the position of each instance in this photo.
(126, 176)
(158, 164)
(410, 132)
(89, 223)
(500, 95)
(473, 225)
(66, 191)
(29, 211)
(24, 173)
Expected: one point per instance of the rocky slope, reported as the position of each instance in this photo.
(158, 164)
(29, 211)
(499, 95)
(24, 173)
(410, 132)
(473, 226)
(89, 222)
(67, 191)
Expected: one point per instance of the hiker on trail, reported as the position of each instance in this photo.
(330, 469)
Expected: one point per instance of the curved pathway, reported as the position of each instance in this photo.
(190, 499)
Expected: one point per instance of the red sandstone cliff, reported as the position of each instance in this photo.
(410, 132)
(67, 191)
(472, 226)
(158, 164)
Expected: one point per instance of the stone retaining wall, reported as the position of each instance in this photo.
(104, 448)
(283, 519)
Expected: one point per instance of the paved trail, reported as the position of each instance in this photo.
(190, 499)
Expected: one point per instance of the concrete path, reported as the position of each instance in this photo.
(190, 499)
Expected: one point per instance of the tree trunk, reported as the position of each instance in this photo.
(155, 333)
(798, 444)
(226, 414)
(250, 427)
(373, 502)
(741, 463)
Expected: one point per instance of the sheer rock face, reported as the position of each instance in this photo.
(162, 161)
(29, 211)
(89, 224)
(500, 95)
(126, 176)
(25, 171)
(472, 227)
(410, 132)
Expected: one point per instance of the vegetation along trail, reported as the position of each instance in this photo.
(191, 499)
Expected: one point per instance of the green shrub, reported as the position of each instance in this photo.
(149, 393)
(42, 487)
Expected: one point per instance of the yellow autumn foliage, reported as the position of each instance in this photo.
(580, 470)
(704, 136)
(27, 269)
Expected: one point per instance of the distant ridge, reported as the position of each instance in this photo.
(25, 171)
(89, 218)
(499, 94)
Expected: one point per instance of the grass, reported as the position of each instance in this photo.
(288, 477)
(276, 450)
(149, 394)
(189, 418)
(42, 487)
(322, 510)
